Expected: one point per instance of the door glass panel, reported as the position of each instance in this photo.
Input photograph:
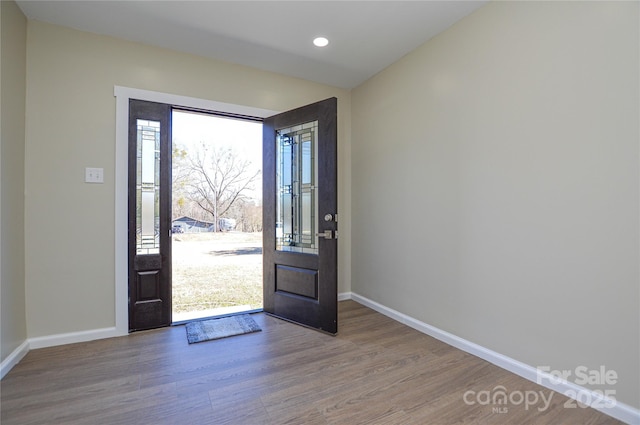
(148, 187)
(297, 196)
(306, 217)
(306, 161)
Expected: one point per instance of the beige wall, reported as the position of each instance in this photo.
(71, 125)
(13, 331)
(495, 185)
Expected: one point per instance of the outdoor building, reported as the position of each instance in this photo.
(192, 225)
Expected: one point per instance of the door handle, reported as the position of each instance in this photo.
(327, 234)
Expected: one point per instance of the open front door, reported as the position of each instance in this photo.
(149, 215)
(300, 215)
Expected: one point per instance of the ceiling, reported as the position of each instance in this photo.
(365, 36)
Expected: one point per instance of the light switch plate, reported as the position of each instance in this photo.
(93, 175)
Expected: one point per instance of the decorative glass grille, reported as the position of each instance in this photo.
(297, 197)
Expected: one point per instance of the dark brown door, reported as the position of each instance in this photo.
(149, 215)
(300, 215)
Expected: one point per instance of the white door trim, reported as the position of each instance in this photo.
(122, 95)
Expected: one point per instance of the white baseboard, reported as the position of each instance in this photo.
(343, 296)
(610, 407)
(54, 340)
(14, 358)
(73, 337)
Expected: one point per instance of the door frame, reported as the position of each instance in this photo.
(122, 95)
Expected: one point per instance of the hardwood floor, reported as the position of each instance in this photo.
(376, 371)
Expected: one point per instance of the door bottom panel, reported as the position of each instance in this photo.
(296, 280)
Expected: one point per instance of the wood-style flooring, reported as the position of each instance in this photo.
(376, 371)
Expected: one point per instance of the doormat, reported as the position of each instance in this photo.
(206, 330)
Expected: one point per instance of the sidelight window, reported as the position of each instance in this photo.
(148, 187)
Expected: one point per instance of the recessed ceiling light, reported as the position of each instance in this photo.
(320, 41)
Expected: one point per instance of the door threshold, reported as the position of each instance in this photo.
(216, 313)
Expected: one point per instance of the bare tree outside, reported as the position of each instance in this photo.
(215, 178)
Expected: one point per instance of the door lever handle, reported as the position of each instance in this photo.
(327, 234)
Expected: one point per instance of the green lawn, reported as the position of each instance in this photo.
(213, 270)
